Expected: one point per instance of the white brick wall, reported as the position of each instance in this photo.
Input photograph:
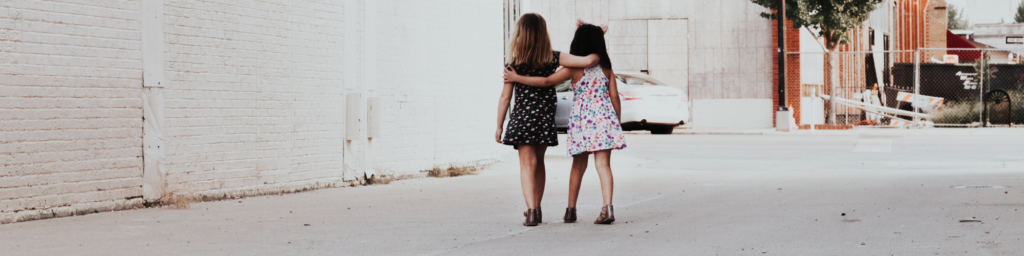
(254, 95)
(256, 102)
(70, 105)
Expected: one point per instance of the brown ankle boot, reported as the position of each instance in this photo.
(531, 218)
(570, 215)
(540, 216)
(607, 215)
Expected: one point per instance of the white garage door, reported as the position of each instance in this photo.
(667, 52)
(627, 45)
(658, 46)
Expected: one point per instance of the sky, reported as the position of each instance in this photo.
(987, 11)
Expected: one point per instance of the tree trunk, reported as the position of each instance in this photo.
(833, 83)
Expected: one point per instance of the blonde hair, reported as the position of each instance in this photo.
(531, 45)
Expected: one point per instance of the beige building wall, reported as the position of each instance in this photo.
(668, 52)
(726, 54)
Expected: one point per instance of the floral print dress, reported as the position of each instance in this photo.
(532, 121)
(593, 124)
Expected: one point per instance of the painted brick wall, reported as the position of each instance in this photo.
(254, 96)
(793, 87)
(70, 106)
(254, 93)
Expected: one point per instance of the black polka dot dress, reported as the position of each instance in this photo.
(533, 118)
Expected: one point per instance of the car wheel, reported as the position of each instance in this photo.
(662, 129)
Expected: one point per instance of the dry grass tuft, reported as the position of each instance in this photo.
(409, 176)
(180, 198)
(383, 178)
(452, 171)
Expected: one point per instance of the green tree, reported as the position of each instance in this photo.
(1019, 18)
(833, 19)
(955, 18)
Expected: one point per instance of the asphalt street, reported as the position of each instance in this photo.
(951, 192)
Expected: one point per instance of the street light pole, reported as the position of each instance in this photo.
(781, 16)
(782, 115)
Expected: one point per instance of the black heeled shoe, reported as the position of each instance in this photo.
(540, 215)
(570, 215)
(531, 217)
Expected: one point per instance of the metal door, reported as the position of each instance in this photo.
(667, 53)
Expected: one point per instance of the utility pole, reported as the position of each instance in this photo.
(782, 115)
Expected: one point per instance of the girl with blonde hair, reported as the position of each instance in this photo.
(531, 125)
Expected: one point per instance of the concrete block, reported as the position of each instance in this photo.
(732, 113)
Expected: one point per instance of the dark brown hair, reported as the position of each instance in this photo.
(589, 39)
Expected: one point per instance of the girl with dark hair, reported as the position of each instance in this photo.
(531, 127)
(594, 125)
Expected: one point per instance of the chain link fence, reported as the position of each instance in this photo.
(842, 90)
(896, 89)
(980, 87)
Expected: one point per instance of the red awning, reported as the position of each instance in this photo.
(954, 41)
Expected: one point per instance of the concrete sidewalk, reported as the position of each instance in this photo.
(675, 195)
(856, 131)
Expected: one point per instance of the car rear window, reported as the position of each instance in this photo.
(564, 86)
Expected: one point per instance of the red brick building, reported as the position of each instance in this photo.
(904, 25)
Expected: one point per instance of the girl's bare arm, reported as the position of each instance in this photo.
(503, 101)
(613, 91)
(573, 61)
(536, 81)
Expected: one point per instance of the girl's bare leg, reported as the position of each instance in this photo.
(527, 174)
(602, 160)
(539, 174)
(579, 166)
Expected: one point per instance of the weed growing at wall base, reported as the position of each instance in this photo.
(452, 171)
(383, 178)
(180, 197)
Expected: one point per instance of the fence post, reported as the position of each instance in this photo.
(917, 87)
(981, 87)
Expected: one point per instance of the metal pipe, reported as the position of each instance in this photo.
(869, 107)
(909, 51)
(951, 49)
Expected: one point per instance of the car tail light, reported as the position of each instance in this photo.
(629, 96)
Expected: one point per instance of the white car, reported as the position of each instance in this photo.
(647, 104)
